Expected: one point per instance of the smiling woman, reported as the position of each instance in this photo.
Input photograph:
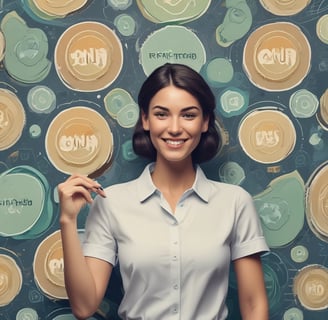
(197, 90)
(177, 234)
(175, 123)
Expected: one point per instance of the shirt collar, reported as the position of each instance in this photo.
(146, 187)
(145, 183)
(202, 185)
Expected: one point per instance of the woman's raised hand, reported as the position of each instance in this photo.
(74, 193)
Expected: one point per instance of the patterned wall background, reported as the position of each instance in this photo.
(69, 77)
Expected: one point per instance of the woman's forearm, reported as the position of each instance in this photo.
(79, 282)
(256, 312)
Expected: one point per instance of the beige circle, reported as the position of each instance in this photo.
(48, 267)
(277, 56)
(317, 201)
(10, 279)
(322, 28)
(311, 287)
(87, 136)
(270, 42)
(88, 71)
(79, 140)
(54, 265)
(59, 8)
(12, 119)
(284, 7)
(88, 56)
(266, 135)
(322, 114)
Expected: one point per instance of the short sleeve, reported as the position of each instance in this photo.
(248, 237)
(99, 241)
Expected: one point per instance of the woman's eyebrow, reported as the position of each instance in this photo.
(160, 107)
(189, 108)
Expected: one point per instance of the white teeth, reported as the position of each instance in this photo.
(174, 142)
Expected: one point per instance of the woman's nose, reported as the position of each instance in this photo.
(175, 126)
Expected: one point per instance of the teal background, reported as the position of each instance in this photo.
(305, 158)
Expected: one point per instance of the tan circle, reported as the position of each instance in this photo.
(80, 66)
(317, 201)
(277, 56)
(322, 114)
(48, 267)
(311, 287)
(80, 140)
(54, 265)
(12, 119)
(284, 7)
(266, 135)
(88, 56)
(59, 8)
(10, 279)
(271, 43)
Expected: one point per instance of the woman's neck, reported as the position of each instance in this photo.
(172, 176)
(173, 179)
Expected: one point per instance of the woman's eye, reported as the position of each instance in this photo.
(189, 115)
(160, 114)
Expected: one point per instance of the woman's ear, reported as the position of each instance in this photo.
(145, 121)
(205, 124)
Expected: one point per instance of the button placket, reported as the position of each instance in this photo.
(175, 267)
(181, 211)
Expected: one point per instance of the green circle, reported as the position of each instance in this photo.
(27, 314)
(173, 44)
(299, 253)
(231, 172)
(22, 198)
(115, 100)
(125, 24)
(293, 314)
(219, 70)
(127, 151)
(119, 4)
(41, 99)
(35, 131)
(173, 11)
(303, 104)
(128, 115)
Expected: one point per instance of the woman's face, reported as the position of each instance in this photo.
(175, 123)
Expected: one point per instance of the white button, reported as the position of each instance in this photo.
(176, 287)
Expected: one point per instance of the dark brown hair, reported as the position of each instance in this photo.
(183, 77)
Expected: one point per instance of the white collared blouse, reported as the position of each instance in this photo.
(173, 266)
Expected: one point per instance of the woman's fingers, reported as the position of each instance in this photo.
(90, 184)
(79, 185)
(100, 191)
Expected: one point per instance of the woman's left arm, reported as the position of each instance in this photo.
(251, 288)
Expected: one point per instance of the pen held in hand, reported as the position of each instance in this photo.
(99, 190)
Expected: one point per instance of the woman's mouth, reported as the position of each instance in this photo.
(174, 142)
